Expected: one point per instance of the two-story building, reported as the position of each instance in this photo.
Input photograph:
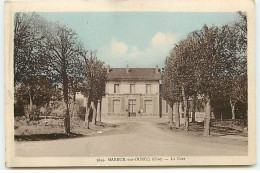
(133, 92)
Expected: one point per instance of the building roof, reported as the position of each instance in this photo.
(135, 74)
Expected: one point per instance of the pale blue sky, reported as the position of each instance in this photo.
(139, 39)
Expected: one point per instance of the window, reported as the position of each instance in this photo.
(132, 105)
(116, 106)
(132, 88)
(166, 108)
(148, 88)
(116, 88)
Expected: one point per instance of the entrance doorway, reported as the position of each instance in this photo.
(148, 106)
(116, 106)
(132, 107)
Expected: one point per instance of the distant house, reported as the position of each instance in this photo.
(133, 92)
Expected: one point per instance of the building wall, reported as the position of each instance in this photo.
(140, 87)
(166, 110)
(118, 104)
(141, 108)
(158, 106)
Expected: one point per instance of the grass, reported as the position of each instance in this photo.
(53, 129)
(217, 129)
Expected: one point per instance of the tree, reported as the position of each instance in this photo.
(185, 60)
(76, 78)
(93, 87)
(240, 93)
(41, 93)
(232, 44)
(28, 60)
(195, 70)
(210, 63)
(208, 68)
(170, 91)
(179, 76)
(62, 51)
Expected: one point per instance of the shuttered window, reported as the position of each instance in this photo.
(116, 88)
(132, 88)
(148, 88)
(116, 106)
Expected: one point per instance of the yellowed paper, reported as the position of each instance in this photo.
(117, 159)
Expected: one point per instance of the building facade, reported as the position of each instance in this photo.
(133, 92)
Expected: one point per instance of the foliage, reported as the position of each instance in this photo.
(42, 91)
(48, 61)
(93, 86)
(19, 108)
(210, 63)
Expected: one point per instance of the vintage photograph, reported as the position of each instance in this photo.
(130, 87)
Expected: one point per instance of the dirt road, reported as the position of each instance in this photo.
(137, 137)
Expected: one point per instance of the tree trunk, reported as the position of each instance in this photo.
(180, 111)
(86, 120)
(186, 110)
(94, 113)
(207, 117)
(193, 108)
(87, 117)
(170, 116)
(99, 111)
(233, 109)
(186, 114)
(67, 119)
(30, 103)
(73, 105)
(177, 115)
(47, 110)
(66, 100)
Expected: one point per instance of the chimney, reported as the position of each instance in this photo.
(108, 68)
(127, 69)
(156, 69)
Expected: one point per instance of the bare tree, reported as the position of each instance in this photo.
(93, 87)
(61, 49)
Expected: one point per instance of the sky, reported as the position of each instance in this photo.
(139, 39)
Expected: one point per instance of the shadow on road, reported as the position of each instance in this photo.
(44, 137)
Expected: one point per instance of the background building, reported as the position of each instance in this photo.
(132, 92)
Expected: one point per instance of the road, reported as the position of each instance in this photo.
(136, 138)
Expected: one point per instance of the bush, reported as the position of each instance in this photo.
(57, 109)
(82, 112)
(19, 108)
(34, 114)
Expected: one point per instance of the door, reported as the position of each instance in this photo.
(148, 106)
(116, 106)
(132, 107)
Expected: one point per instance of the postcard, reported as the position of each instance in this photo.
(130, 83)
